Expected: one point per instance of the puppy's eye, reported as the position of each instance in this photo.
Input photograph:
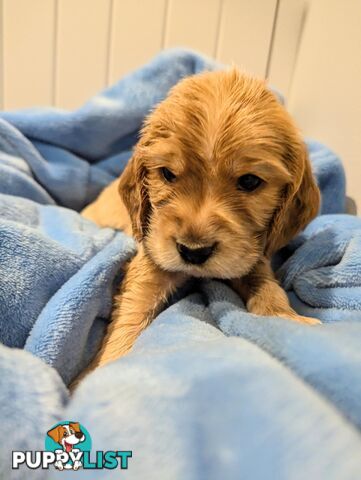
(167, 174)
(249, 182)
(65, 434)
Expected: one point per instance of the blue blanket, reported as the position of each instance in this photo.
(209, 390)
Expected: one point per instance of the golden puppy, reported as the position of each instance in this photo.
(218, 182)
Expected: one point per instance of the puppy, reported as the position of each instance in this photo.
(67, 436)
(219, 181)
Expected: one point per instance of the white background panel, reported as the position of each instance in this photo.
(82, 42)
(137, 32)
(193, 24)
(245, 33)
(325, 97)
(28, 52)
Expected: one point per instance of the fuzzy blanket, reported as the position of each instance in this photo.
(209, 391)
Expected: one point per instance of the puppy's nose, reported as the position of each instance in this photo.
(78, 434)
(197, 256)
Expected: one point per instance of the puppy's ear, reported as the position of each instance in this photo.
(298, 205)
(75, 426)
(134, 193)
(56, 433)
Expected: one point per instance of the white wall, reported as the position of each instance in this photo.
(60, 52)
(325, 96)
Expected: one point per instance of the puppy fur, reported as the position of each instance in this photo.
(212, 129)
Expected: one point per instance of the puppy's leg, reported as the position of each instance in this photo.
(144, 292)
(263, 295)
(108, 210)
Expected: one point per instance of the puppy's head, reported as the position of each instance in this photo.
(67, 435)
(219, 177)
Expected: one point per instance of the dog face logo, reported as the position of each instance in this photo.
(67, 435)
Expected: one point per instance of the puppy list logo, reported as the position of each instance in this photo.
(67, 447)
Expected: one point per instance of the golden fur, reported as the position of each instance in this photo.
(212, 129)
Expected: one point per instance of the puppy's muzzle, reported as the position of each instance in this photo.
(196, 256)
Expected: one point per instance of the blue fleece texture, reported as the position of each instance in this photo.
(209, 390)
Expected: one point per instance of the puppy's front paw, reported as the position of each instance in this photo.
(59, 465)
(300, 319)
(77, 465)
